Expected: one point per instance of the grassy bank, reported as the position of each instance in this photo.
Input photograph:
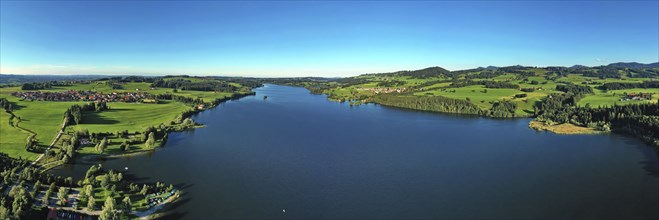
(565, 128)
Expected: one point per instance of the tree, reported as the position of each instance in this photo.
(127, 205)
(30, 143)
(145, 190)
(46, 197)
(21, 203)
(151, 141)
(4, 213)
(108, 212)
(37, 185)
(62, 195)
(124, 146)
(90, 203)
(52, 186)
(100, 147)
(83, 195)
(74, 141)
(105, 180)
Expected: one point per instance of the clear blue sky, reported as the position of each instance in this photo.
(319, 38)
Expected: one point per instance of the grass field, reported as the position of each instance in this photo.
(608, 98)
(478, 96)
(131, 116)
(12, 139)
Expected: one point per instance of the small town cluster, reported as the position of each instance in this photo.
(379, 90)
(73, 95)
(637, 96)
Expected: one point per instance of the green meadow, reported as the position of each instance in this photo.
(12, 139)
(131, 116)
(608, 98)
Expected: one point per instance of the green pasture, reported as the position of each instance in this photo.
(131, 116)
(609, 98)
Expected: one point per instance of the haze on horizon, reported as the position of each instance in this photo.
(274, 39)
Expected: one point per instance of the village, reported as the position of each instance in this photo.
(636, 97)
(379, 90)
(73, 95)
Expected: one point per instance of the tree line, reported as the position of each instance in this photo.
(73, 115)
(487, 83)
(629, 85)
(428, 103)
(184, 84)
(42, 85)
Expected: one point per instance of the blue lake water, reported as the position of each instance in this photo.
(321, 159)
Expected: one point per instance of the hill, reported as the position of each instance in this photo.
(634, 65)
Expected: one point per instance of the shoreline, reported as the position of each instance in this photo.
(564, 129)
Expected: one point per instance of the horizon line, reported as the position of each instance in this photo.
(247, 76)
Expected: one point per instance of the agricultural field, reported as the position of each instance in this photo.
(131, 117)
(13, 139)
(603, 98)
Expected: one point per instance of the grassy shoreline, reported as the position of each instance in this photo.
(565, 128)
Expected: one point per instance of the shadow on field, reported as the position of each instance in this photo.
(16, 106)
(97, 118)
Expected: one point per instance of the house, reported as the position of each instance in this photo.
(637, 96)
(201, 107)
(151, 101)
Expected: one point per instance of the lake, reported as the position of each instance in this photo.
(321, 159)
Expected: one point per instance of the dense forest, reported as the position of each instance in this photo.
(185, 84)
(604, 72)
(425, 103)
(42, 85)
(628, 85)
(420, 74)
(487, 83)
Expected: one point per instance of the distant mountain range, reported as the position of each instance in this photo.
(427, 72)
(634, 65)
(630, 65)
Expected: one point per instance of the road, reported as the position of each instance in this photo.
(59, 134)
